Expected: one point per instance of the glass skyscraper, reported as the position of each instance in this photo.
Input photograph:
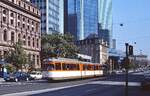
(86, 17)
(105, 20)
(51, 15)
(82, 18)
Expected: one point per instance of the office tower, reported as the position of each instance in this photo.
(52, 13)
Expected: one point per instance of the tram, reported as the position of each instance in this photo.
(63, 68)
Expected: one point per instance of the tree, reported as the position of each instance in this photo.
(58, 45)
(17, 56)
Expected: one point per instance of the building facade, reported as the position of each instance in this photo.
(20, 20)
(105, 20)
(82, 18)
(95, 48)
(86, 17)
(52, 13)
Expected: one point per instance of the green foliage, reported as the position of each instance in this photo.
(58, 45)
(10, 68)
(17, 56)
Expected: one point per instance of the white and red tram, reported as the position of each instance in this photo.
(62, 68)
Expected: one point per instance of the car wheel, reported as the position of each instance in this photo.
(16, 80)
(27, 79)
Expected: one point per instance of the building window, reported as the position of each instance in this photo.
(38, 60)
(12, 22)
(33, 44)
(19, 3)
(24, 40)
(29, 43)
(4, 19)
(33, 59)
(24, 5)
(37, 26)
(23, 19)
(12, 37)
(19, 24)
(37, 43)
(23, 25)
(12, 15)
(19, 37)
(5, 35)
(28, 27)
(5, 53)
(18, 17)
(4, 12)
(32, 28)
(29, 8)
(33, 9)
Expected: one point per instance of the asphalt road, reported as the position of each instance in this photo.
(102, 86)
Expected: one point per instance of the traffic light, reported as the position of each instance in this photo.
(130, 50)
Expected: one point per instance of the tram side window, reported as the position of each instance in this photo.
(89, 67)
(65, 66)
(77, 67)
(74, 66)
(58, 66)
(51, 67)
(84, 67)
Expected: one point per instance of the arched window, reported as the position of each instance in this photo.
(5, 35)
(4, 12)
(18, 17)
(12, 14)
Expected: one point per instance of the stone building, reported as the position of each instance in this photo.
(20, 20)
(94, 47)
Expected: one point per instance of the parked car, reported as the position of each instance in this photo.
(146, 80)
(17, 76)
(36, 75)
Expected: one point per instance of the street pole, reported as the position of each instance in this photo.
(126, 67)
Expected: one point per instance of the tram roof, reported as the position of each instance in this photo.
(68, 60)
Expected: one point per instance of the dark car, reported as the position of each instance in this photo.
(17, 76)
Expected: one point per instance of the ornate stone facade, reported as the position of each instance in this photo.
(94, 47)
(20, 20)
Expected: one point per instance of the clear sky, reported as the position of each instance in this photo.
(135, 16)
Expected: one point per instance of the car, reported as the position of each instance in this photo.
(146, 80)
(36, 75)
(17, 76)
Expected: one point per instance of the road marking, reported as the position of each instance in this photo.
(91, 90)
(116, 83)
(41, 91)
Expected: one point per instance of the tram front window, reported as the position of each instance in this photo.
(51, 67)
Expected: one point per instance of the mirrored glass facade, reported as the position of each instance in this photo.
(51, 15)
(83, 13)
(87, 17)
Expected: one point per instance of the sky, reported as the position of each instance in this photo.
(135, 17)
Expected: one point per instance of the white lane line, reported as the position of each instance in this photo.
(91, 90)
(116, 83)
(40, 91)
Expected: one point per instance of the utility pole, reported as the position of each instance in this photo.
(126, 67)
(129, 52)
